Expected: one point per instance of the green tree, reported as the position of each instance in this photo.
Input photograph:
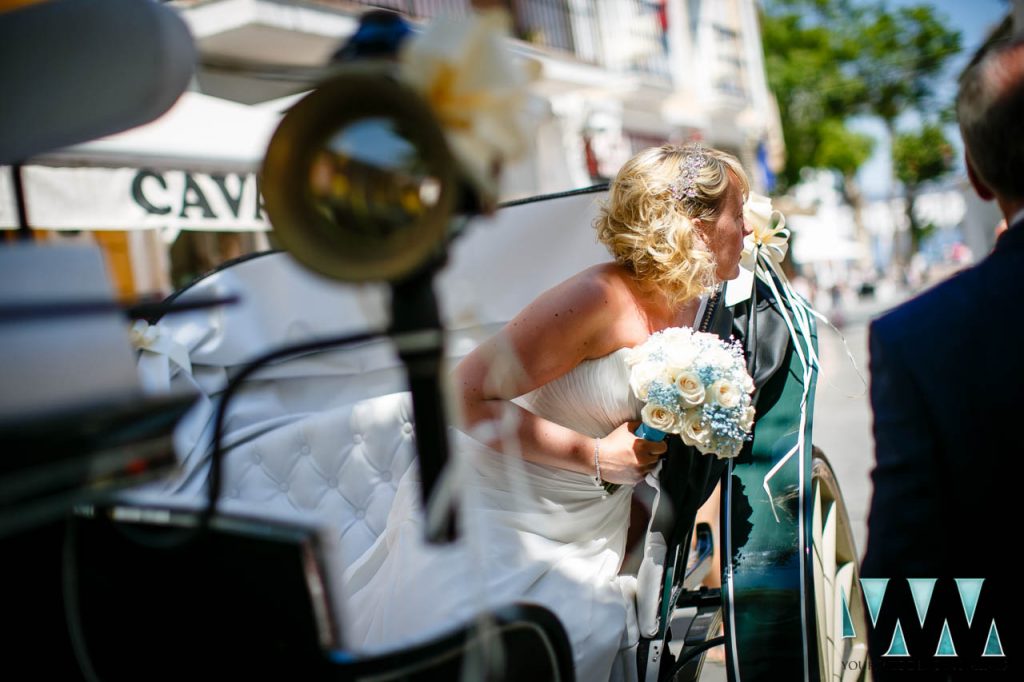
(829, 60)
(903, 55)
(810, 69)
(810, 57)
(920, 157)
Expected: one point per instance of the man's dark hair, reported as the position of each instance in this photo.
(990, 108)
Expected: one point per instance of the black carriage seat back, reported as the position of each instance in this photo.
(516, 642)
(151, 599)
(249, 599)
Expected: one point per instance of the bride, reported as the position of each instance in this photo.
(548, 417)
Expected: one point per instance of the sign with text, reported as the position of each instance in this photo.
(129, 198)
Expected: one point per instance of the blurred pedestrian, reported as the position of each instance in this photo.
(945, 390)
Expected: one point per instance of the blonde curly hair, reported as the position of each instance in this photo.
(648, 221)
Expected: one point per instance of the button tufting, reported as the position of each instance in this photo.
(256, 457)
(305, 449)
(360, 513)
(333, 482)
(284, 487)
(386, 476)
(407, 428)
(357, 438)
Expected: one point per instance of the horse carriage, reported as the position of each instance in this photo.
(312, 396)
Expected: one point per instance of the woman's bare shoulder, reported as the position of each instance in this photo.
(608, 279)
(586, 316)
(599, 293)
(603, 298)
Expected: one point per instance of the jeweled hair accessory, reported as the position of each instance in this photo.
(685, 186)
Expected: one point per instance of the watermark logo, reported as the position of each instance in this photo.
(921, 590)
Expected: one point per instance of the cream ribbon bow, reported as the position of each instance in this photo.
(159, 346)
(768, 234)
(465, 71)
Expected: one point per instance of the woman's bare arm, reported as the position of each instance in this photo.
(585, 317)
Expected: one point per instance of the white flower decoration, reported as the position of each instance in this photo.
(659, 417)
(695, 431)
(476, 88)
(768, 231)
(690, 388)
(747, 420)
(725, 393)
(641, 377)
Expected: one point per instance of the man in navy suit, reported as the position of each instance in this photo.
(947, 382)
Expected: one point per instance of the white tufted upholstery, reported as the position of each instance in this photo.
(341, 466)
(323, 438)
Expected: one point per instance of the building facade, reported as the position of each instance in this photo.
(617, 75)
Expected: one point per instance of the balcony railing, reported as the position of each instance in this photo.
(620, 35)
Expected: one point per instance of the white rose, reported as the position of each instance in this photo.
(659, 417)
(747, 419)
(719, 357)
(641, 376)
(690, 388)
(637, 355)
(748, 384)
(694, 430)
(674, 335)
(680, 356)
(725, 393)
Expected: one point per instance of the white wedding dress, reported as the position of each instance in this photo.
(528, 533)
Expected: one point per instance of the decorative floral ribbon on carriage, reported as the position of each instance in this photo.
(763, 252)
(477, 89)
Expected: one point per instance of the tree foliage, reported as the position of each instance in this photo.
(903, 54)
(842, 149)
(808, 66)
(922, 155)
(830, 60)
(919, 157)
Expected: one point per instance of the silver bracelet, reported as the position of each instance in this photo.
(597, 463)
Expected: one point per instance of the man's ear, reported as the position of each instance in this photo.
(979, 185)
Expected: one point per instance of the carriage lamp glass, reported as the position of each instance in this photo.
(370, 176)
(359, 182)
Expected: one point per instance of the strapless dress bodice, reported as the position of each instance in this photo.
(592, 398)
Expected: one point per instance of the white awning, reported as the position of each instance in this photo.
(199, 133)
(193, 168)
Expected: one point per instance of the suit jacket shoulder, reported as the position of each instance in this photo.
(994, 287)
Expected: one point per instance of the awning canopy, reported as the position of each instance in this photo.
(198, 134)
(193, 168)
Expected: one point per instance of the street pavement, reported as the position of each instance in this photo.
(842, 417)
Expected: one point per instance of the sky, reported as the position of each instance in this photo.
(974, 18)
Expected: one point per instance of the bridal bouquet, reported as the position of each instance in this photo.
(695, 385)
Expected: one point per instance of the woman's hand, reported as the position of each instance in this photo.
(626, 458)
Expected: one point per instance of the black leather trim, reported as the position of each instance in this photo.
(533, 647)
